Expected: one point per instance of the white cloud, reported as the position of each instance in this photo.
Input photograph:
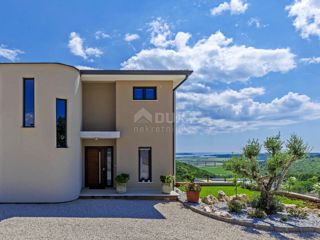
(231, 110)
(306, 15)
(160, 32)
(312, 60)
(101, 35)
(81, 67)
(10, 54)
(77, 47)
(235, 7)
(255, 22)
(131, 37)
(215, 58)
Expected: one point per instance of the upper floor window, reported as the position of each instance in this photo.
(61, 122)
(28, 102)
(144, 93)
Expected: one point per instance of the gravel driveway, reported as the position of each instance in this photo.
(120, 219)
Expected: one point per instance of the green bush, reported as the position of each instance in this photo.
(275, 205)
(316, 189)
(304, 186)
(236, 205)
(297, 212)
(256, 213)
(284, 218)
(167, 179)
(122, 178)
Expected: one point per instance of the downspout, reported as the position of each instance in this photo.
(174, 127)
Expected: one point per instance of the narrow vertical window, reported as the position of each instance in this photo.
(145, 164)
(61, 122)
(28, 102)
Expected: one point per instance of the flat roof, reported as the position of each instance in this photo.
(177, 76)
(137, 72)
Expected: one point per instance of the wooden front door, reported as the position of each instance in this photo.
(98, 167)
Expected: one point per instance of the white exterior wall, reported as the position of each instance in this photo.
(32, 169)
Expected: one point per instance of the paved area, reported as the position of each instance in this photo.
(120, 219)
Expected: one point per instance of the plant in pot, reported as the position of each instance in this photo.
(193, 192)
(121, 182)
(167, 181)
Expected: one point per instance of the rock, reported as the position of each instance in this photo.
(222, 197)
(241, 197)
(223, 214)
(210, 200)
(207, 209)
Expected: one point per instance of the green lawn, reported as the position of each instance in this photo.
(219, 171)
(229, 190)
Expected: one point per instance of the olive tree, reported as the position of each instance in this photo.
(268, 178)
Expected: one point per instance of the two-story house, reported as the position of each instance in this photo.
(63, 129)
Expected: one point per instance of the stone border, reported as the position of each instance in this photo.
(298, 196)
(250, 224)
(178, 184)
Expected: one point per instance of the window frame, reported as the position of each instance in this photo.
(150, 165)
(144, 93)
(66, 116)
(24, 103)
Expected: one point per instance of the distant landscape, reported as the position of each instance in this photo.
(210, 165)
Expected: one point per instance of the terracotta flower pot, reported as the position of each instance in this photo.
(193, 196)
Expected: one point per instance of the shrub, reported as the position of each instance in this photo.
(122, 178)
(290, 183)
(236, 205)
(275, 205)
(256, 213)
(316, 189)
(167, 179)
(297, 212)
(301, 186)
(284, 218)
(193, 187)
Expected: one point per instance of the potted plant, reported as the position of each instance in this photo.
(121, 182)
(167, 181)
(193, 192)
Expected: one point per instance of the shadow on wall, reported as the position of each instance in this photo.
(92, 208)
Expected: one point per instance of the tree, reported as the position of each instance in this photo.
(276, 167)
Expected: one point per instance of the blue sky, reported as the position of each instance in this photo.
(256, 63)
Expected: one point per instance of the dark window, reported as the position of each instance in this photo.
(144, 93)
(61, 121)
(145, 164)
(28, 102)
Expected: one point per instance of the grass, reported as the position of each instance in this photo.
(230, 190)
(218, 171)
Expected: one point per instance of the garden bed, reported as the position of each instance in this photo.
(273, 222)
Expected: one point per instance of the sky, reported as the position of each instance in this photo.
(256, 63)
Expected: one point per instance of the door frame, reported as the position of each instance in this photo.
(104, 150)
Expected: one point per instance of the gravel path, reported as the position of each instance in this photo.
(120, 219)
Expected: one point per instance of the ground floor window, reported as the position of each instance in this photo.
(145, 164)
